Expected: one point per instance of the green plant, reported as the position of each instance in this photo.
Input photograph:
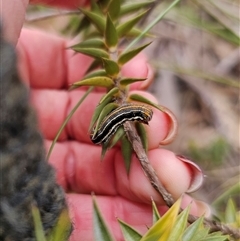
(172, 226)
(103, 31)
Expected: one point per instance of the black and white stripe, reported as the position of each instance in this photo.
(110, 124)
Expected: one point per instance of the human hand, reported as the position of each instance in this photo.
(48, 69)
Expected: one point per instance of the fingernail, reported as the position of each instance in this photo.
(197, 174)
(198, 208)
(203, 209)
(173, 127)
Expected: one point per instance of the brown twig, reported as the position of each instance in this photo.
(217, 226)
(134, 138)
(136, 142)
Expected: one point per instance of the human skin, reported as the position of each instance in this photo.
(48, 68)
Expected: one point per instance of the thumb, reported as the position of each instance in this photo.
(12, 18)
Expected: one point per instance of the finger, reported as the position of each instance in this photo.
(173, 174)
(62, 3)
(52, 109)
(138, 215)
(197, 208)
(81, 212)
(45, 62)
(80, 170)
(17, 8)
(79, 124)
(12, 28)
(138, 67)
(53, 106)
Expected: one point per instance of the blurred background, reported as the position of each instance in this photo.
(196, 57)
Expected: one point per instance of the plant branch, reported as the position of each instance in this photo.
(216, 226)
(134, 138)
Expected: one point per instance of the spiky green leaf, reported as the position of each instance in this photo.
(129, 233)
(161, 230)
(142, 99)
(143, 135)
(38, 228)
(128, 81)
(101, 231)
(111, 67)
(93, 52)
(98, 111)
(191, 232)
(76, 25)
(95, 8)
(216, 236)
(230, 212)
(62, 230)
(100, 81)
(105, 111)
(110, 93)
(90, 43)
(96, 19)
(180, 225)
(95, 73)
(124, 28)
(111, 36)
(132, 7)
(127, 151)
(90, 33)
(117, 136)
(201, 234)
(134, 32)
(104, 149)
(156, 215)
(114, 9)
(103, 4)
(126, 56)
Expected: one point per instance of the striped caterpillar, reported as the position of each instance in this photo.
(116, 118)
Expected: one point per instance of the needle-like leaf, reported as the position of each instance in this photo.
(39, 233)
(117, 136)
(105, 111)
(128, 81)
(114, 9)
(111, 36)
(111, 67)
(61, 231)
(96, 19)
(127, 151)
(90, 43)
(124, 28)
(129, 233)
(126, 56)
(101, 231)
(93, 52)
(100, 81)
(132, 7)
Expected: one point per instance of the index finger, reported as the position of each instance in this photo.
(46, 63)
(17, 8)
(62, 3)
